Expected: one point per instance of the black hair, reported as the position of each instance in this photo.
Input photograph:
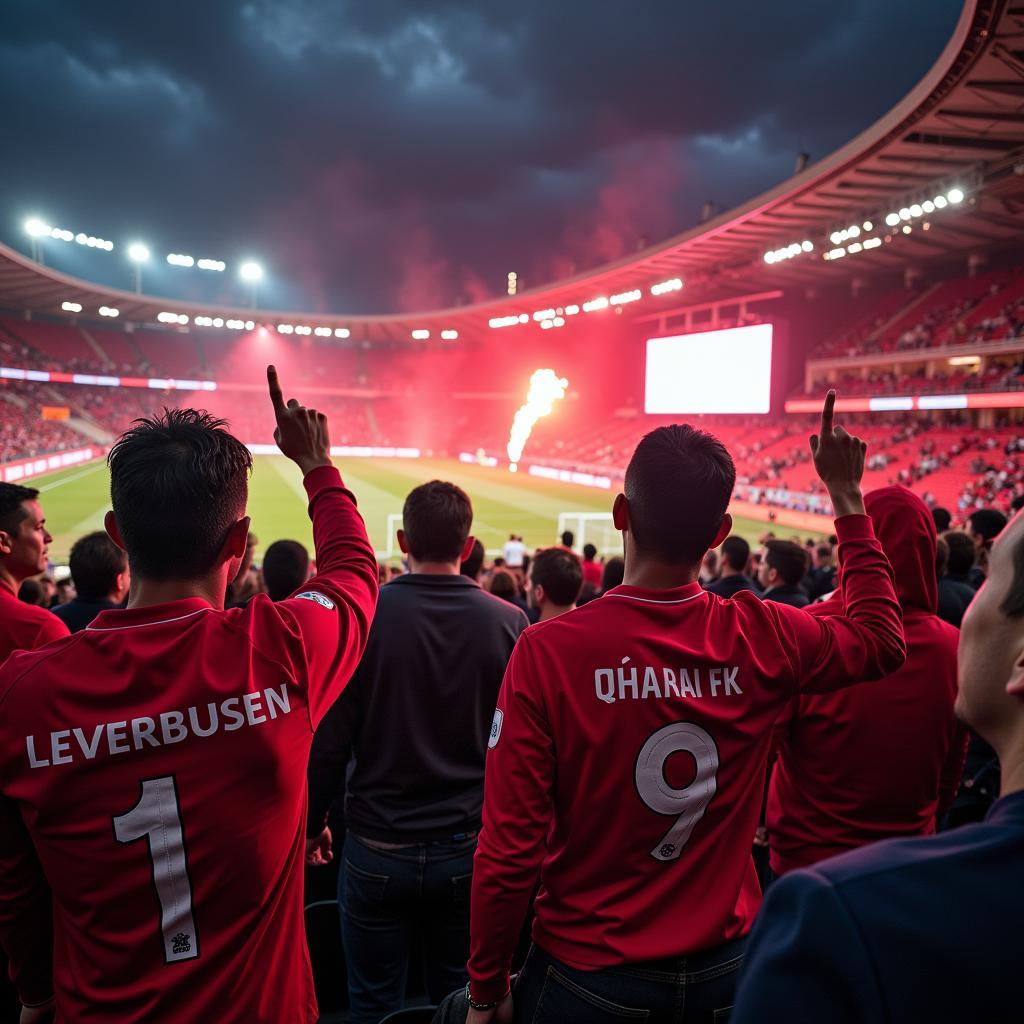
(589, 551)
(678, 484)
(735, 552)
(178, 483)
(96, 562)
(613, 573)
(471, 566)
(988, 522)
(285, 568)
(942, 519)
(1017, 504)
(567, 538)
(503, 584)
(824, 551)
(31, 592)
(560, 573)
(788, 559)
(962, 553)
(12, 500)
(436, 519)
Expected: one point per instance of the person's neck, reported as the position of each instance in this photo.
(9, 579)
(1011, 765)
(650, 575)
(552, 611)
(435, 568)
(149, 592)
(727, 571)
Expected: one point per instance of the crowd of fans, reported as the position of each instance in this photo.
(811, 681)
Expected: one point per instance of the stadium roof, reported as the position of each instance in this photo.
(960, 128)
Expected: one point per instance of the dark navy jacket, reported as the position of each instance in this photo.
(908, 930)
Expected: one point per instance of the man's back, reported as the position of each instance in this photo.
(25, 626)
(80, 611)
(416, 715)
(860, 938)
(157, 760)
(727, 586)
(954, 598)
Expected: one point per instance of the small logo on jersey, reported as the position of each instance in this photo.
(667, 850)
(312, 595)
(181, 943)
(492, 740)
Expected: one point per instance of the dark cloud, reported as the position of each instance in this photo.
(396, 154)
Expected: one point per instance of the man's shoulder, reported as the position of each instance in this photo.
(32, 663)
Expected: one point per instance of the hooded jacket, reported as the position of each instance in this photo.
(882, 759)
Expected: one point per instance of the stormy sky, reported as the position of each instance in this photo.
(392, 155)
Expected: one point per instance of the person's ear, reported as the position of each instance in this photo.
(1015, 686)
(620, 512)
(236, 542)
(467, 548)
(403, 543)
(110, 525)
(723, 531)
(538, 594)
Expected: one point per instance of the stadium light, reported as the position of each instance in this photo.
(892, 219)
(955, 195)
(138, 253)
(167, 317)
(285, 328)
(71, 307)
(572, 310)
(787, 252)
(940, 202)
(450, 335)
(109, 311)
(250, 272)
(36, 228)
(505, 321)
(177, 259)
(543, 314)
(625, 297)
(217, 265)
(595, 304)
(420, 334)
(342, 332)
(218, 322)
(303, 330)
(323, 332)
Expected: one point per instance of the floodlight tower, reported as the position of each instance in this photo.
(252, 273)
(138, 254)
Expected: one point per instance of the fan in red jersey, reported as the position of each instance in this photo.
(629, 745)
(153, 766)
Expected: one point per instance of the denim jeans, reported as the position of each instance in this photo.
(694, 989)
(390, 899)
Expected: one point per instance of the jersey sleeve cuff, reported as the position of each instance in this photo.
(490, 991)
(856, 526)
(321, 479)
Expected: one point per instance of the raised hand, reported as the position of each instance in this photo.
(839, 461)
(301, 433)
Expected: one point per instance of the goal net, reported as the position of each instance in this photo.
(594, 528)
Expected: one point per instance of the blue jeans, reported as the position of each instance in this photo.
(390, 899)
(695, 989)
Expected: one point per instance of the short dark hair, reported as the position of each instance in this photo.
(589, 551)
(503, 584)
(788, 559)
(471, 566)
(560, 573)
(735, 552)
(961, 553)
(96, 562)
(941, 557)
(988, 523)
(824, 550)
(12, 499)
(613, 573)
(942, 518)
(678, 484)
(31, 592)
(567, 538)
(285, 568)
(178, 483)
(436, 519)
(1017, 504)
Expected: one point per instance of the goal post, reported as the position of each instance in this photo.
(594, 528)
(391, 549)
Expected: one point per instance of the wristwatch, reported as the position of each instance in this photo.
(482, 1007)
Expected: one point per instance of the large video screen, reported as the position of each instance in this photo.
(715, 371)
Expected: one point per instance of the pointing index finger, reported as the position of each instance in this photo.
(275, 390)
(827, 412)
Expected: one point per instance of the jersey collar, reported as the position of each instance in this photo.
(674, 595)
(151, 615)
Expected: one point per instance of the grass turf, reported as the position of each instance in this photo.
(75, 500)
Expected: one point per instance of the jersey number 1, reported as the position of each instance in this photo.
(688, 803)
(157, 818)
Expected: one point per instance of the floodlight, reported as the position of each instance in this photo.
(138, 253)
(36, 228)
(251, 272)
(955, 195)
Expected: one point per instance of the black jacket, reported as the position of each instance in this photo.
(416, 716)
(954, 597)
(80, 611)
(729, 585)
(795, 596)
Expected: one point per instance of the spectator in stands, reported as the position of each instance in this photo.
(954, 595)
(49, 588)
(821, 579)
(593, 706)
(613, 574)
(505, 585)
(513, 552)
(732, 576)
(782, 569)
(31, 592)
(414, 723)
(962, 556)
(65, 591)
(245, 585)
(900, 731)
(591, 567)
(100, 571)
(24, 542)
(286, 567)
(473, 566)
(568, 538)
(983, 526)
(942, 519)
(860, 937)
(554, 582)
(709, 568)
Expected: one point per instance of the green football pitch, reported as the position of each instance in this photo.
(74, 501)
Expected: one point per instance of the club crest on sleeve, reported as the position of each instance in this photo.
(492, 740)
(312, 595)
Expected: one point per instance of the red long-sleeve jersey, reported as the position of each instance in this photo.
(153, 777)
(627, 762)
